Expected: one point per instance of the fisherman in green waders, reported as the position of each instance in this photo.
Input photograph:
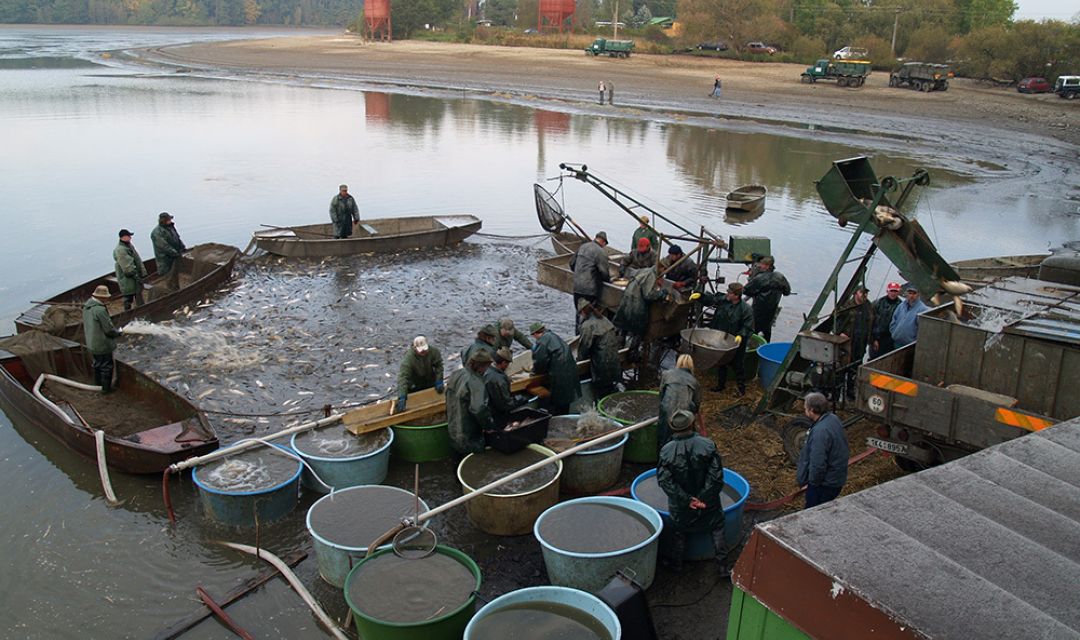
(497, 383)
(344, 213)
(599, 343)
(691, 473)
(679, 390)
(632, 315)
(485, 341)
(421, 368)
(735, 317)
(467, 412)
(509, 334)
(130, 271)
(552, 356)
(168, 247)
(100, 337)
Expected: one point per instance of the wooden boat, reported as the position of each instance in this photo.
(202, 270)
(147, 426)
(564, 243)
(990, 269)
(749, 198)
(384, 235)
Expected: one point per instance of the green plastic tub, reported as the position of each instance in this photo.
(750, 359)
(421, 443)
(642, 446)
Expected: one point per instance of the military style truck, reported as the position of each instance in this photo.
(612, 48)
(1067, 87)
(922, 76)
(846, 73)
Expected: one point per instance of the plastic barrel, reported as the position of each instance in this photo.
(750, 359)
(421, 443)
(584, 602)
(643, 445)
(592, 571)
(511, 514)
(240, 508)
(592, 470)
(341, 473)
(449, 626)
(699, 544)
(770, 357)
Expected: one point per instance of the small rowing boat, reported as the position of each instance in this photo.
(749, 198)
(385, 235)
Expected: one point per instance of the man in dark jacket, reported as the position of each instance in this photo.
(642, 257)
(467, 413)
(552, 356)
(591, 270)
(100, 337)
(823, 462)
(681, 270)
(645, 231)
(599, 343)
(485, 341)
(344, 213)
(509, 334)
(734, 317)
(130, 271)
(854, 321)
(766, 288)
(679, 390)
(691, 473)
(497, 385)
(168, 247)
(880, 338)
(421, 368)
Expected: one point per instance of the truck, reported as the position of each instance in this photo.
(1067, 87)
(922, 76)
(847, 73)
(612, 48)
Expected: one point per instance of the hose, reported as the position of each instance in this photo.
(220, 613)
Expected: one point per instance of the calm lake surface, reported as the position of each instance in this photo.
(91, 145)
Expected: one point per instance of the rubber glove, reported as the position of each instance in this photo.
(694, 296)
(679, 285)
(401, 401)
(439, 386)
(738, 339)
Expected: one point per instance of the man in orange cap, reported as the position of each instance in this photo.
(880, 339)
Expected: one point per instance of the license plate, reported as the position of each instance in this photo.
(885, 445)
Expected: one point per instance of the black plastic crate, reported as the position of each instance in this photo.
(532, 429)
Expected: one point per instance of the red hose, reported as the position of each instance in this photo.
(224, 617)
(165, 495)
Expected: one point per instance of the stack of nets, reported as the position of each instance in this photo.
(41, 353)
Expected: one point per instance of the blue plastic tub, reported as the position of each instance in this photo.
(584, 602)
(770, 357)
(593, 571)
(699, 545)
(341, 473)
(241, 508)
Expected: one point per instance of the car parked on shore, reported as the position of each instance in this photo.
(760, 47)
(851, 53)
(712, 46)
(1034, 85)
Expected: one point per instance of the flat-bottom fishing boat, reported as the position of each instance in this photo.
(750, 198)
(202, 270)
(385, 235)
(147, 427)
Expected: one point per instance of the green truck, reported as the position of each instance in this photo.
(612, 48)
(847, 73)
(921, 76)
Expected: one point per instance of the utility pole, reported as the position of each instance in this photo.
(615, 21)
(896, 21)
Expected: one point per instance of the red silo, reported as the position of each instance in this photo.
(377, 19)
(555, 14)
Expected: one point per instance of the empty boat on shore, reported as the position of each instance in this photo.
(384, 235)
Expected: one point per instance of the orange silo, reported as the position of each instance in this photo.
(377, 19)
(554, 15)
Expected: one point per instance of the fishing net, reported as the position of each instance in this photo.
(210, 256)
(57, 318)
(41, 353)
(548, 210)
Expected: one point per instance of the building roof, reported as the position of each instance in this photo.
(987, 546)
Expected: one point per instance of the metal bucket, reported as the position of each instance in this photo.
(709, 347)
(593, 571)
(643, 445)
(421, 443)
(591, 470)
(335, 559)
(699, 544)
(243, 508)
(341, 473)
(448, 626)
(511, 514)
(586, 603)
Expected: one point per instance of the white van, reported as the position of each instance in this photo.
(1067, 86)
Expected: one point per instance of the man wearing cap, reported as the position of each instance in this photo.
(766, 288)
(854, 321)
(691, 473)
(734, 317)
(642, 257)
(509, 334)
(485, 341)
(553, 357)
(679, 389)
(168, 247)
(645, 231)
(679, 268)
(129, 270)
(497, 386)
(880, 337)
(591, 270)
(904, 325)
(632, 316)
(421, 368)
(599, 344)
(467, 413)
(823, 461)
(100, 337)
(344, 213)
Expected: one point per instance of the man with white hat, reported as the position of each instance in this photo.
(100, 337)
(421, 368)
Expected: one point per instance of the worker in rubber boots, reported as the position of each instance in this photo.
(497, 384)
(632, 315)
(467, 412)
(880, 338)
(733, 316)
(552, 356)
(691, 473)
(100, 337)
(645, 231)
(509, 334)
(591, 269)
(344, 213)
(421, 368)
(485, 341)
(168, 247)
(129, 269)
(765, 289)
(681, 270)
(854, 321)
(599, 343)
(679, 391)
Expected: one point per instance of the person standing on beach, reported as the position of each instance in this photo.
(168, 248)
(602, 88)
(610, 92)
(716, 87)
(344, 213)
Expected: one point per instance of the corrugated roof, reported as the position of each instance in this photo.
(987, 546)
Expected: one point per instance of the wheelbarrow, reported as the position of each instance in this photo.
(708, 347)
